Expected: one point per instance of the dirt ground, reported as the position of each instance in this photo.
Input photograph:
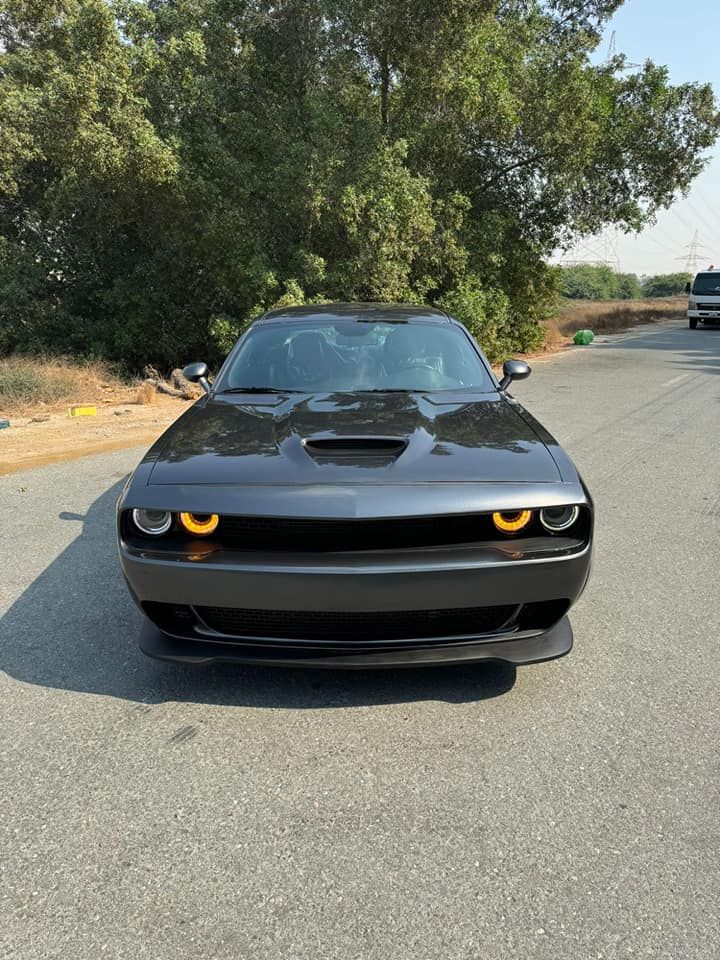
(50, 435)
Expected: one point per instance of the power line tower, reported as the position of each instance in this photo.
(696, 254)
(610, 236)
(612, 253)
(612, 52)
(612, 47)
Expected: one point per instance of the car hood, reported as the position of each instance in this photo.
(358, 438)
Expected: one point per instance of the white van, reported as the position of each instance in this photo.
(704, 300)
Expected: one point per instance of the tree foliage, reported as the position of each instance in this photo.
(666, 285)
(590, 282)
(170, 169)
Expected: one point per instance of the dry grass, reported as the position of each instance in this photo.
(608, 316)
(146, 393)
(28, 383)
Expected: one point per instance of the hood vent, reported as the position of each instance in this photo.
(354, 448)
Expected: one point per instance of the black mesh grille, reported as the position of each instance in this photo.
(354, 626)
(333, 536)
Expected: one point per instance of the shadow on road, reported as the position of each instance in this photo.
(699, 352)
(75, 628)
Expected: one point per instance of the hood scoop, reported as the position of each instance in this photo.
(363, 450)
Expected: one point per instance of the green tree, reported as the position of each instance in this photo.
(628, 286)
(168, 170)
(590, 282)
(666, 285)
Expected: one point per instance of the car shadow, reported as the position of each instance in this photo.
(76, 628)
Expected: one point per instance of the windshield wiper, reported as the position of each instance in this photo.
(258, 390)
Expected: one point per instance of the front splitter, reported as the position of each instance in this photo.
(556, 642)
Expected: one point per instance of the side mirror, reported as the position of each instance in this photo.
(514, 370)
(197, 373)
(688, 288)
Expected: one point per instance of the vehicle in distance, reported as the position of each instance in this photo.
(704, 298)
(356, 488)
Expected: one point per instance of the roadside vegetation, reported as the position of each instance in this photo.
(28, 383)
(169, 170)
(591, 282)
(608, 316)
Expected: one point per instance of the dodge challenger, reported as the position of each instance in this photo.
(356, 488)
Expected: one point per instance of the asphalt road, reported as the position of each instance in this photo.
(568, 810)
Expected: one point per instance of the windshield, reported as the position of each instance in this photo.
(353, 356)
(708, 284)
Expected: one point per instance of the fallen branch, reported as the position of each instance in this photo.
(179, 386)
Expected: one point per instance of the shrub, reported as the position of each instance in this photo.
(666, 285)
(486, 314)
(22, 381)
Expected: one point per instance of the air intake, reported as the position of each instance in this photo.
(354, 447)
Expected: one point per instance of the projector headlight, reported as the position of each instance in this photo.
(152, 522)
(557, 519)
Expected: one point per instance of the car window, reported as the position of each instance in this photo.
(355, 356)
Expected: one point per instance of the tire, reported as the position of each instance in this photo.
(692, 323)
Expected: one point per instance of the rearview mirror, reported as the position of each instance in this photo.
(514, 370)
(687, 288)
(197, 373)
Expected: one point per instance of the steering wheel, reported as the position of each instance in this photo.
(426, 372)
(417, 365)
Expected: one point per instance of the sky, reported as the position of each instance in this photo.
(684, 37)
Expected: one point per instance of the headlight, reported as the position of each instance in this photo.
(557, 519)
(512, 522)
(152, 522)
(201, 524)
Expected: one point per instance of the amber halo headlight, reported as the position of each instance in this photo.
(557, 519)
(201, 524)
(512, 521)
(152, 522)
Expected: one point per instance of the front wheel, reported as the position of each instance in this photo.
(692, 321)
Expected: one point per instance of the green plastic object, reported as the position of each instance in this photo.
(4, 424)
(583, 337)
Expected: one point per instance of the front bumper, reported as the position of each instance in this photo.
(429, 581)
(713, 315)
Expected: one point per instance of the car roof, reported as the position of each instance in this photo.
(378, 312)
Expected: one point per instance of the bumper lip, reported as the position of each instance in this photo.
(516, 649)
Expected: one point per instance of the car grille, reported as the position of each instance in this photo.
(353, 626)
(708, 306)
(340, 536)
(367, 628)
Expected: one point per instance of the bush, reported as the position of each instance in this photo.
(666, 285)
(587, 282)
(25, 381)
(22, 381)
(486, 314)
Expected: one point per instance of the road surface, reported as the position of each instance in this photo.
(568, 810)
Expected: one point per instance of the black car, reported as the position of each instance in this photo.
(356, 488)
